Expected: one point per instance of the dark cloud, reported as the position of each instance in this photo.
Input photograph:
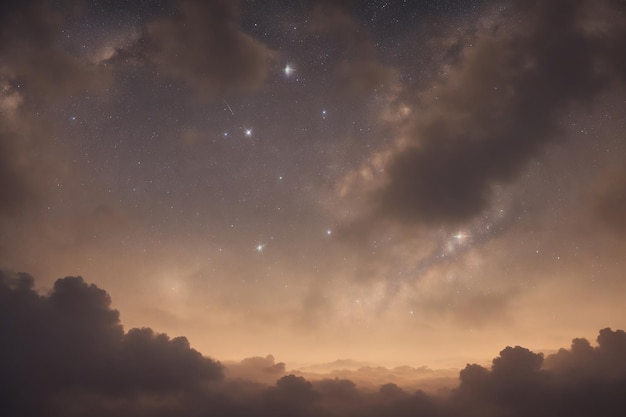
(584, 361)
(203, 44)
(33, 55)
(66, 354)
(71, 341)
(359, 70)
(16, 188)
(293, 396)
(610, 203)
(341, 389)
(28, 165)
(499, 107)
(35, 70)
(578, 382)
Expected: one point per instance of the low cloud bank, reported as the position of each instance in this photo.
(66, 354)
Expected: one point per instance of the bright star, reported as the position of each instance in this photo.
(329, 232)
(248, 132)
(288, 70)
(259, 247)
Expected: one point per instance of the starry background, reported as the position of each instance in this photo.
(400, 182)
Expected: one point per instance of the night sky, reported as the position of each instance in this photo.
(411, 183)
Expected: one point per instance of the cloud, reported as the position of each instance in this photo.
(369, 378)
(584, 361)
(16, 188)
(27, 162)
(66, 354)
(204, 45)
(358, 71)
(498, 107)
(336, 388)
(72, 341)
(34, 58)
(610, 202)
(35, 70)
(257, 368)
(577, 382)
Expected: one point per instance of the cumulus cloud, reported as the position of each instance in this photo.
(71, 344)
(66, 354)
(204, 45)
(498, 107)
(584, 360)
(577, 382)
(257, 368)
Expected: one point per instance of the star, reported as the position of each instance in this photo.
(259, 247)
(460, 236)
(288, 70)
(248, 132)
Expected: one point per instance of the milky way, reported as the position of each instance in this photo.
(390, 181)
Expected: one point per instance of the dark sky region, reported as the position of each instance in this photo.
(413, 184)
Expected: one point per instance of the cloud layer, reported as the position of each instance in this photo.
(66, 354)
